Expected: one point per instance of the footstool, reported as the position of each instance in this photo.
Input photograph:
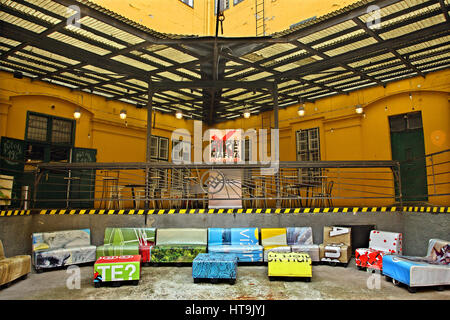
(214, 266)
(117, 269)
(290, 265)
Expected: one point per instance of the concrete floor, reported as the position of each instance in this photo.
(175, 283)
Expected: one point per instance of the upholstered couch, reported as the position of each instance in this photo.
(291, 239)
(243, 242)
(128, 241)
(179, 245)
(380, 243)
(431, 270)
(14, 267)
(62, 248)
(336, 247)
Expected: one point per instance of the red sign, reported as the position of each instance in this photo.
(119, 259)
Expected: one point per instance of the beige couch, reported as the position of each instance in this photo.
(13, 268)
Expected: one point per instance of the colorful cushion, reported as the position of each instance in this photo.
(135, 241)
(274, 240)
(233, 236)
(214, 266)
(416, 271)
(439, 251)
(181, 236)
(369, 258)
(271, 237)
(61, 239)
(388, 242)
(176, 253)
(14, 267)
(250, 253)
(339, 253)
(337, 235)
(291, 264)
(64, 257)
(61, 248)
(311, 249)
(117, 250)
(299, 235)
(279, 249)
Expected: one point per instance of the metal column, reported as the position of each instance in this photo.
(148, 156)
(276, 147)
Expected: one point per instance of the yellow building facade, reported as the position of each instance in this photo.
(343, 134)
(178, 17)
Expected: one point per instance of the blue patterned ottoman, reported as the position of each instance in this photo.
(214, 266)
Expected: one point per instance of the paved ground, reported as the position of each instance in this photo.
(175, 283)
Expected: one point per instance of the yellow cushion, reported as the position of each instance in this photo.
(291, 264)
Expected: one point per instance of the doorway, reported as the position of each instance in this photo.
(408, 147)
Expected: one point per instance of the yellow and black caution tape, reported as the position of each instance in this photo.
(7, 213)
(354, 210)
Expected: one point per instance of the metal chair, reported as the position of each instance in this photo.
(320, 200)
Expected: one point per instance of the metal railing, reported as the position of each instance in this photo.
(438, 175)
(166, 185)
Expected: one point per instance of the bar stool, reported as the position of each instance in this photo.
(260, 188)
(110, 190)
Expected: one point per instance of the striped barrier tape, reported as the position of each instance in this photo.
(354, 210)
(7, 213)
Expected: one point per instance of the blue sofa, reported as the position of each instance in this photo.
(431, 270)
(243, 242)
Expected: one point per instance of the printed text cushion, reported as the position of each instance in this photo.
(337, 235)
(174, 236)
(299, 235)
(334, 253)
(273, 237)
(233, 236)
(390, 242)
(117, 250)
(311, 249)
(284, 249)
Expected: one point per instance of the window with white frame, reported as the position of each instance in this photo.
(308, 149)
(159, 148)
